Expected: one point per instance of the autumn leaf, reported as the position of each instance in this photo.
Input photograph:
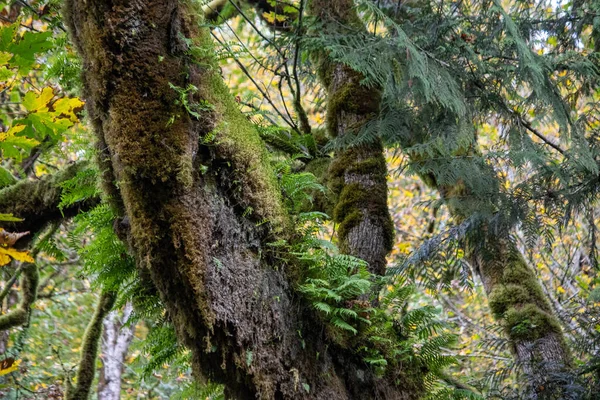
(16, 254)
(9, 365)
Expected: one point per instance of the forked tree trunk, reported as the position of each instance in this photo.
(190, 169)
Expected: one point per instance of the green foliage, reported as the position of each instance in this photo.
(163, 347)
(104, 256)
(340, 289)
(192, 107)
(333, 285)
(83, 186)
(298, 188)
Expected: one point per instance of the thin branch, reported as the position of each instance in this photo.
(262, 92)
(89, 349)
(543, 138)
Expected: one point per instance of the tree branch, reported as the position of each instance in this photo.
(89, 351)
(36, 202)
(29, 285)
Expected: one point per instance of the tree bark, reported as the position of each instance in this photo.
(516, 297)
(116, 339)
(358, 175)
(190, 168)
(36, 202)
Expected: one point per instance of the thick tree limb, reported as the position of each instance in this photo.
(36, 202)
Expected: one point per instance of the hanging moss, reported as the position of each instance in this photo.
(29, 288)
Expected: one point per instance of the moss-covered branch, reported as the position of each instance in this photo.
(37, 201)
(515, 295)
(29, 287)
(358, 175)
(89, 350)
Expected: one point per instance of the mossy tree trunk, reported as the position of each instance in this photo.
(187, 167)
(515, 295)
(358, 175)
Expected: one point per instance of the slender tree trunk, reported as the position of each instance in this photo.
(190, 168)
(116, 339)
(515, 295)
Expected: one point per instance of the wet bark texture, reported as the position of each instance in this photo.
(116, 338)
(358, 175)
(232, 305)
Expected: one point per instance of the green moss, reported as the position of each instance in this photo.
(530, 323)
(517, 299)
(505, 296)
(319, 167)
(351, 98)
(238, 141)
(331, 11)
(89, 350)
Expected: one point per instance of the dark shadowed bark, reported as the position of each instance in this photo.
(156, 99)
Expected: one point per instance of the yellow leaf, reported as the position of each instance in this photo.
(16, 254)
(560, 289)
(68, 107)
(11, 366)
(4, 259)
(11, 132)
